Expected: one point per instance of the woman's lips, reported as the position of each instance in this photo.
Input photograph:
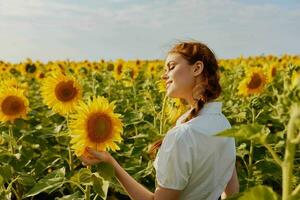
(169, 83)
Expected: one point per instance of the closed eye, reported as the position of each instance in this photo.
(170, 67)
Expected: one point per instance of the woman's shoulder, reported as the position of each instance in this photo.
(175, 137)
(178, 131)
(177, 134)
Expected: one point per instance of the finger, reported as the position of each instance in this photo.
(89, 160)
(95, 153)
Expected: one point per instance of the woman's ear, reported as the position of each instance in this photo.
(198, 68)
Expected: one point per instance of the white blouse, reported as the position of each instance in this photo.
(195, 161)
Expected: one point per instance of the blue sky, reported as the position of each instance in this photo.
(110, 29)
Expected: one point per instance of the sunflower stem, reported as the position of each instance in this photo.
(95, 198)
(135, 106)
(162, 116)
(76, 184)
(16, 193)
(136, 130)
(134, 93)
(153, 108)
(87, 192)
(69, 148)
(250, 164)
(11, 135)
(289, 155)
(250, 161)
(70, 158)
(274, 154)
(93, 84)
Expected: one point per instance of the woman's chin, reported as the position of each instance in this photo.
(171, 94)
(168, 93)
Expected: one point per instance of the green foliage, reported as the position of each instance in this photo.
(257, 193)
(36, 161)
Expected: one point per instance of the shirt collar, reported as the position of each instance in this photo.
(213, 107)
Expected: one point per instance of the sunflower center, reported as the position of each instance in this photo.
(99, 127)
(30, 68)
(152, 69)
(41, 75)
(12, 105)
(255, 81)
(65, 91)
(83, 70)
(13, 71)
(273, 71)
(119, 68)
(110, 67)
(132, 73)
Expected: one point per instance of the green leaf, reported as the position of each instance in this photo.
(295, 196)
(260, 192)
(6, 171)
(49, 183)
(84, 177)
(255, 132)
(100, 186)
(9, 139)
(73, 196)
(106, 170)
(26, 180)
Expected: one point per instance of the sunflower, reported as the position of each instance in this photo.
(151, 69)
(29, 68)
(12, 82)
(161, 85)
(40, 76)
(61, 93)
(13, 70)
(82, 71)
(118, 69)
(54, 67)
(9, 82)
(13, 104)
(109, 66)
(271, 71)
(95, 125)
(253, 83)
(295, 80)
(3, 68)
(174, 109)
(132, 72)
(96, 66)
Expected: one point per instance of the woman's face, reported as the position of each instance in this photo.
(179, 76)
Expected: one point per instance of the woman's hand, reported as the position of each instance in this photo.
(95, 157)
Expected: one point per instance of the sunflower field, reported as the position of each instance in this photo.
(49, 113)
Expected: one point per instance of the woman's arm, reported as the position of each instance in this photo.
(232, 187)
(135, 190)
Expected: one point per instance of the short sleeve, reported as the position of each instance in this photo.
(173, 162)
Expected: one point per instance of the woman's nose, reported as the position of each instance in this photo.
(164, 76)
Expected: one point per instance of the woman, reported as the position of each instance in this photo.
(191, 163)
